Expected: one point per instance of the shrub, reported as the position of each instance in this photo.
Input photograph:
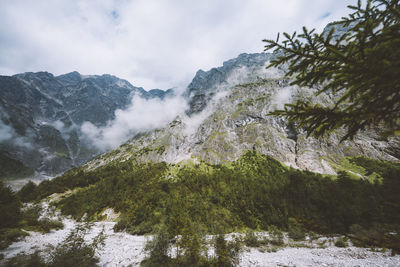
(385, 236)
(31, 222)
(227, 253)
(28, 192)
(191, 244)
(9, 207)
(276, 236)
(158, 249)
(10, 235)
(121, 224)
(222, 251)
(74, 251)
(296, 232)
(341, 243)
(251, 239)
(46, 225)
(24, 260)
(312, 236)
(30, 216)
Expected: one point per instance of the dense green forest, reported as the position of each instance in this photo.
(255, 192)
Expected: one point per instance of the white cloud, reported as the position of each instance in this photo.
(141, 115)
(282, 96)
(193, 122)
(154, 44)
(6, 132)
(8, 135)
(59, 125)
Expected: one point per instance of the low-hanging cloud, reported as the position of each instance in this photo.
(6, 132)
(141, 115)
(282, 96)
(9, 136)
(237, 76)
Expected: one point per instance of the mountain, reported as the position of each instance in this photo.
(225, 165)
(41, 115)
(228, 115)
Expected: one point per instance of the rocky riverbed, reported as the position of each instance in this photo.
(122, 249)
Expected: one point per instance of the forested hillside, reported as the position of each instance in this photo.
(254, 192)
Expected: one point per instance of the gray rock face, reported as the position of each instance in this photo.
(228, 115)
(205, 84)
(339, 30)
(41, 115)
(157, 93)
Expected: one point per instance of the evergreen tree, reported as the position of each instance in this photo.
(360, 68)
(9, 207)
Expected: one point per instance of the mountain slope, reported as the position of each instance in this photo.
(41, 115)
(228, 115)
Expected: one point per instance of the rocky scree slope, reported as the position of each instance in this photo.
(41, 115)
(228, 115)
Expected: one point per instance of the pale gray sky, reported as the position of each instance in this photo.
(151, 43)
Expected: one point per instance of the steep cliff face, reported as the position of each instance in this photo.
(41, 115)
(205, 84)
(228, 115)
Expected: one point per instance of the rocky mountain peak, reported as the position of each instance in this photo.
(244, 68)
(71, 78)
(42, 75)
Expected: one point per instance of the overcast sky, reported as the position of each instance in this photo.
(151, 43)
